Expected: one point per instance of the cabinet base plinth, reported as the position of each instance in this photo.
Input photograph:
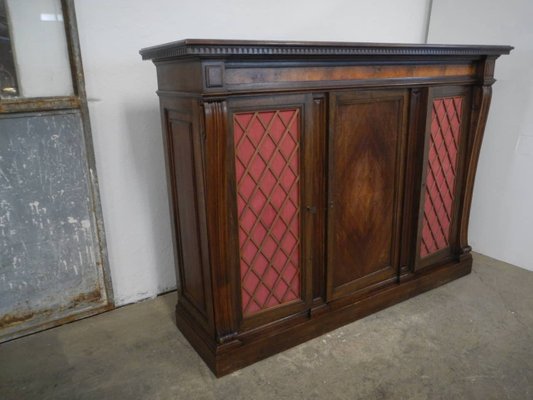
(248, 348)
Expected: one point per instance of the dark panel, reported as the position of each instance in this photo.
(366, 138)
(181, 145)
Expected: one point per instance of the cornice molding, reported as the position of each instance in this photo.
(223, 48)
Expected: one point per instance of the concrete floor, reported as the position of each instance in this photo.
(470, 339)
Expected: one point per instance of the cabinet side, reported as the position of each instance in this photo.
(184, 160)
(482, 95)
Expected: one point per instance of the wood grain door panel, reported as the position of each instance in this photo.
(366, 163)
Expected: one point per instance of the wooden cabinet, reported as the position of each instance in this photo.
(314, 183)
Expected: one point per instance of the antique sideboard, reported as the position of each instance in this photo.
(313, 183)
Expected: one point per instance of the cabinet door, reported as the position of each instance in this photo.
(367, 136)
(271, 141)
(442, 175)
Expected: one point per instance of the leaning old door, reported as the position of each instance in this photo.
(53, 267)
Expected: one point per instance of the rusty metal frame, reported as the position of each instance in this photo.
(78, 101)
(78, 82)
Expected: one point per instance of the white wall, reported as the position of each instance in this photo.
(501, 224)
(124, 106)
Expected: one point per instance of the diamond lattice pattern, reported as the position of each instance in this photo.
(267, 164)
(441, 172)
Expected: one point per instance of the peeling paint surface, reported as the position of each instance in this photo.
(49, 258)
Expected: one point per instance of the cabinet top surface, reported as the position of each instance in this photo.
(260, 48)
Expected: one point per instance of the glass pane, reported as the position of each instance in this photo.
(34, 58)
(8, 73)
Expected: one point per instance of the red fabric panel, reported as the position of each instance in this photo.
(441, 172)
(267, 165)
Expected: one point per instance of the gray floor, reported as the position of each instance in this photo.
(470, 339)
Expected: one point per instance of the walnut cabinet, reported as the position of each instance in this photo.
(314, 183)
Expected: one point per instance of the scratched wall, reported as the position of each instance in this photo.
(48, 248)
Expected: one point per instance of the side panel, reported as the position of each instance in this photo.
(185, 169)
(366, 164)
(182, 147)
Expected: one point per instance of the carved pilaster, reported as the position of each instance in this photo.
(218, 196)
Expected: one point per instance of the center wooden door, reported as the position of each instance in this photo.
(367, 140)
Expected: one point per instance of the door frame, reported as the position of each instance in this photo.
(452, 251)
(309, 198)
